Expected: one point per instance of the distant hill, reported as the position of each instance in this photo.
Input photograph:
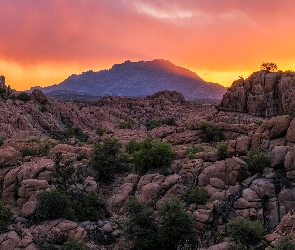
(139, 79)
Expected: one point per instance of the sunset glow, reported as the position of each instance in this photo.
(44, 42)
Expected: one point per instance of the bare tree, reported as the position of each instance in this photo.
(271, 67)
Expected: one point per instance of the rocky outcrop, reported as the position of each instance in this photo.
(263, 94)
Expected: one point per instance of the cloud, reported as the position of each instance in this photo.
(210, 35)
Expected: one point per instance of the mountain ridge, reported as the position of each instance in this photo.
(140, 78)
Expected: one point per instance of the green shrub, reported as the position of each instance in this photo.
(244, 231)
(28, 152)
(88, 207)
(100, 131)
(257, 160)
(23, 96)
(221, 150)
(141, 226)
(5, 217)
(65, 174)
(3, 93)
(285, 243)
(53, 204)
(157, 123)
(105, 157)
(132, 146)
(74, 244)
(44, 147)
(211, 132)
(153, 124)
(1, 141)
(176, 225)
(125, 125)
(152, 154)
(191, 151)
(198, 195)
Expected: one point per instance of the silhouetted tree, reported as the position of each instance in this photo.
(272, 67)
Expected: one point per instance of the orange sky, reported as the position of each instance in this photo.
(43, 42)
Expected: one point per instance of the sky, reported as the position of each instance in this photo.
(42, 42)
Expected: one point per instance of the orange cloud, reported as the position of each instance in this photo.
(47, 40)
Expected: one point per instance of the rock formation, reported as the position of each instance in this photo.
(263, 94)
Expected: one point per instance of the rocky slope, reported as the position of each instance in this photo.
(233, 188)
(140, 79)
(263, 94)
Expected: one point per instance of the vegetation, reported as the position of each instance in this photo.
(23, 96)
(74, 244)
(100, 131)
(53, 204)
(176, 225)
(245, 232)
(132, 146)
(257, 160)
(72, 132)
(152, 154)
(211, 132)
(271, 67)
(125, 125)
(141, 226)
(221, 150)
(165, 230)
(65, 174)
(105, 157)
(1, 141)
(285, 243)
(198, 195)
(191, 151)
(5, 217)
(28, 151)
(157, 123)
(44, 147)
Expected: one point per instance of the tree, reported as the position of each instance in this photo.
(176, 225)
(271, 67)
(5, 217)
(152, 154)
(65, 174)
(141, 227)
(105, 157)
(245, 232)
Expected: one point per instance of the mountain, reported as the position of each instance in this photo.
(140, 79)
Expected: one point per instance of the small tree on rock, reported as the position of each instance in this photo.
(271, 67)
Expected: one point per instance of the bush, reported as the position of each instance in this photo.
(157, 123)
(198, 195)
(152, 154)
(221, 150)
(105, 157)
(285, 243)
(5, 217)
(211, 132)
(28, 152)
(141, 226)
(176, 225)
(74, 244)
(65, 174)
(53, 204)
(244, 231)
(125, 125)
(257, 160)
(88, 207)
(1, 141)
(132, 146)
(191, 151)
(23, 96)
(44, 147)
(100, 131)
